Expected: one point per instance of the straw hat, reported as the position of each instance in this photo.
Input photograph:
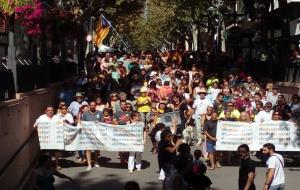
(78, 94)
(143, 89)
(202, 91)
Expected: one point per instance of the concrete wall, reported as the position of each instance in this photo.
(18, 140)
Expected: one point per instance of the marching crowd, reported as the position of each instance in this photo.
(127, 88)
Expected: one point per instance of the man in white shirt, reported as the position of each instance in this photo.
(266, 114)
(65, 116)
(49, 117)
(275, 178)
(199, 109)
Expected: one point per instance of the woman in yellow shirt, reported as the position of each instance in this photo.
(143, 103)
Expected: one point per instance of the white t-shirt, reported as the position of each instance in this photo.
(67, 117)
(157, 136)
(272, 98)
(201, 106)
(263, 116)
(276, 161)
(44, 118)
(213, 93)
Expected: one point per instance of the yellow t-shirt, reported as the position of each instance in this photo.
(141, 107)
(234, 114)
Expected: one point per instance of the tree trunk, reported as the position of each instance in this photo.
(195, 37)
(11, 53)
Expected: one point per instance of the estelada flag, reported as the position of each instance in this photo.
(102, 30)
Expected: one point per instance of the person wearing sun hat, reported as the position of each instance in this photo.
(143, 103)
(199, 109)
(153, 77)
(76, 104)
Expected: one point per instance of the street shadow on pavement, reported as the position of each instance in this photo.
(65, 163)
(291, 159)
(89, 184)
(152, 186)
(145, 164)
(67, 154)
(294, 169)
(114, 183)
(105, 162)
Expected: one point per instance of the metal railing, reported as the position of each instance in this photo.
(292, 72)
(31, 77)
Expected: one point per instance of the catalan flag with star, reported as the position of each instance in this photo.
(102, 30)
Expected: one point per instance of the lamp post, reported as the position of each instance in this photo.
(90, 36)
(219, 9)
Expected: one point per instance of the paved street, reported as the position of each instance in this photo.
(111, 176)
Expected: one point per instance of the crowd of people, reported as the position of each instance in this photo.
(126, 88)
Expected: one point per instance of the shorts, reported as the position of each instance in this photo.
(210, 147)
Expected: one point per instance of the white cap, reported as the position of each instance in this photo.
(153, 73)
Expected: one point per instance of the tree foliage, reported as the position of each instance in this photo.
(163, 21)
(8, 6)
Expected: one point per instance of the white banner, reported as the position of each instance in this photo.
(231, 134)
(96, 136)
(51, 135)
(283, 134)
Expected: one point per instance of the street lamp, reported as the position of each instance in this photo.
(89, 38)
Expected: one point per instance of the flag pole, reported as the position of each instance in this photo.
(115, 31)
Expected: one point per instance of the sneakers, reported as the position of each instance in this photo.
(130, 171)
(58, 167)
(138, 169)
(218, 165)
(97, 165)
(89, 168)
